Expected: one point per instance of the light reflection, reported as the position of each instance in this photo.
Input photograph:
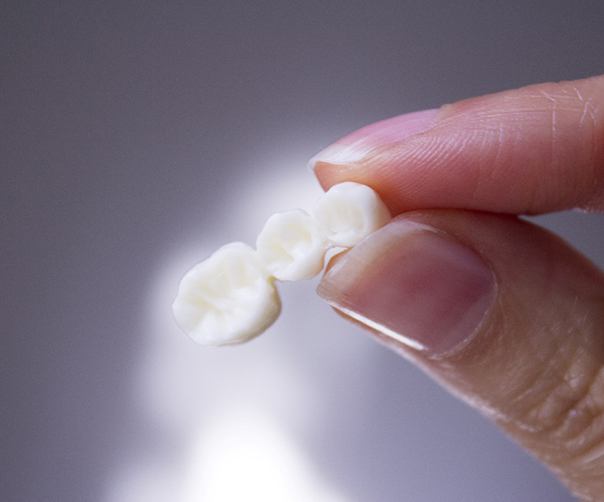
(244, 456)
(218, 413)
(239, 455)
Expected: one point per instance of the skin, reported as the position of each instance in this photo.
(535, 363)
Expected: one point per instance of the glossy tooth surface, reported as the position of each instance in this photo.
(228, 298)
(292, 246)
(349, 212)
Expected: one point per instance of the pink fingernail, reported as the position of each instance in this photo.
(413, 284)
(358, 144)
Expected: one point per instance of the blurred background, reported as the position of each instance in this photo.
(137, 137)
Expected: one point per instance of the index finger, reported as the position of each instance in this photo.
(527, 151)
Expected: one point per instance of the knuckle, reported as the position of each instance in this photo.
(570, 413)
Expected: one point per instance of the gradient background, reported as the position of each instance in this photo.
(136, 137)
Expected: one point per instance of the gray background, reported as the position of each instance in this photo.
(135, 138)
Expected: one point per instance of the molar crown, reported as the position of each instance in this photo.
(349, 212)
(292, 246)
(227, 298)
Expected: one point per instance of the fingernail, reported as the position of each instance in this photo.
(360, 143)
(413, 284)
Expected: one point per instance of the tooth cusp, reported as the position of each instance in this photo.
(291, 245)
(349, 212)
(228, 298)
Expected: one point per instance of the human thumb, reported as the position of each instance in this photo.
(503, 313)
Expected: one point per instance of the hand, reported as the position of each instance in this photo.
(503, 313)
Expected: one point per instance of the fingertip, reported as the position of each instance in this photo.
(341, 159)
(526, 151)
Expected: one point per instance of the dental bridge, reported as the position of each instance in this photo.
(231, 297)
